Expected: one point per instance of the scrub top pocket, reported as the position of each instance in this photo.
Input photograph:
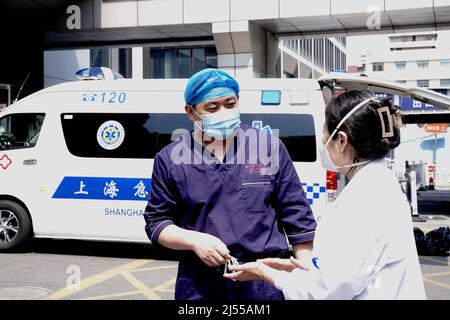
(256, 195)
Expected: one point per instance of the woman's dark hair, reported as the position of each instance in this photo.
(363, 128)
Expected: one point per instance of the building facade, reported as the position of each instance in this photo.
(173, 38)
(415, 59)
(312, 57)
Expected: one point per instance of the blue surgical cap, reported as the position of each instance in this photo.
(208, 84)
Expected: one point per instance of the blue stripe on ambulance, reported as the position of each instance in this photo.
(137, 189)
(103, 188)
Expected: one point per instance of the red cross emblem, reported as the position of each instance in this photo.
(5, 162)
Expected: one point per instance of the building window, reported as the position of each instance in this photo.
(157, 64)
(161, 63)
(342, 41)
(445, 83)
(140, 139)
(400, 65)
(414, 38)
(423, 83)
(378, 66)
(211, 57)
(445, 63)
(19, 131)
(125, 62)
(401, 38)
(100, 57)
(296, 131)
(401, 81)
(184, 63)
(426, 37)
(117, 59)
(422, 64)
(412, 48)
(170, 63)
(198, 59)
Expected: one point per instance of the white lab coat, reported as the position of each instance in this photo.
(364, 245)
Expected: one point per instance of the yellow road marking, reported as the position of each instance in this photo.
(437, 283)
(154, 268)
(435, 260)
(163, 286)
(166, 290)
(160, 288)
(112, 295)
(93, 280)
(436, 274)
(142, 288)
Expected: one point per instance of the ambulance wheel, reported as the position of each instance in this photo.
(15, 225)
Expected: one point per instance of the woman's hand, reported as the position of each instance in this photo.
(251, 271)
(283, 264)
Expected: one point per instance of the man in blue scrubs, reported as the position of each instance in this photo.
(214, 197)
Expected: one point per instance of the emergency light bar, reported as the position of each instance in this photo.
(98, 73)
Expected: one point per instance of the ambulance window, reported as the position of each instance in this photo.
(111, 135)
(18, 131)
(296, 131)
(170, 125)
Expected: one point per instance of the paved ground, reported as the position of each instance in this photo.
(128, 271)
(106, 271)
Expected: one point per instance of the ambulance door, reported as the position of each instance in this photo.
(103, 182)
(20, 157)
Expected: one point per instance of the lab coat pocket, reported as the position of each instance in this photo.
(256, 195)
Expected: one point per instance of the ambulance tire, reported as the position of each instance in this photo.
(15, 233)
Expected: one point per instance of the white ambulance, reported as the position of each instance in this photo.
(76, 158)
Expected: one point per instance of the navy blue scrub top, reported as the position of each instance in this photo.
(247, 210)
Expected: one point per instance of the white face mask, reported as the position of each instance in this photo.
(328, 164)
(325, 158)
(220, 124)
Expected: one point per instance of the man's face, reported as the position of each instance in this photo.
(211, 106)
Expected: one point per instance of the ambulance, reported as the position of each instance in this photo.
(76, 158)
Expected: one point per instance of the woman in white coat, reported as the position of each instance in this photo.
(364, 246)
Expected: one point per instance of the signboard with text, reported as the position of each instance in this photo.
(436, 127)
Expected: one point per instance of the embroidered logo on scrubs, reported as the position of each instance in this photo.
(258, 124)
(5, 162)
(110, 135)
(254, 168)
(314, 262)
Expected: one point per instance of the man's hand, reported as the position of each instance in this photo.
(282, 264)
(211, 250)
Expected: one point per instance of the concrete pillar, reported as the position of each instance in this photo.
(114, 59)
(137, 58)
(241, 48)
(273, 57)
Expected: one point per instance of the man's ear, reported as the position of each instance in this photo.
(190, 112)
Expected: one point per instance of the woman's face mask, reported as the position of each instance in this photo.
(325, 158)
(221, 124)
(328, 164)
